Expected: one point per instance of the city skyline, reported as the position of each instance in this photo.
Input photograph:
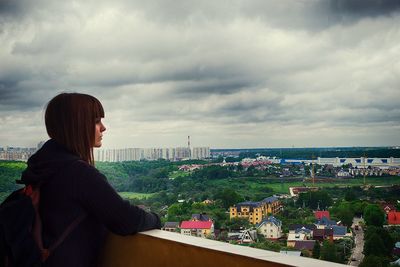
(248, 74)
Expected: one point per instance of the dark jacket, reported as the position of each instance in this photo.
(69, 188)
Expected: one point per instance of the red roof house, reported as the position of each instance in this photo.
(321, 213)
(197, 228)
(393, 217)
(196, 224)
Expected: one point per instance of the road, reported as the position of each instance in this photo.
(357, 255)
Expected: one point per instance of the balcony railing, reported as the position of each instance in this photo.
(161, 248)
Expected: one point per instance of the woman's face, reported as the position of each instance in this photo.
(99, 129)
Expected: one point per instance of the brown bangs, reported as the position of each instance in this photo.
(71, 119)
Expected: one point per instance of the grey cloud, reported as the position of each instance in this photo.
(365, 7)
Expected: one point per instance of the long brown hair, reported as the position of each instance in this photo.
(70, 120)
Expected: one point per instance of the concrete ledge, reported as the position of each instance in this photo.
(161, 248)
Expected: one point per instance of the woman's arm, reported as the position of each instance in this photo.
(101, 201)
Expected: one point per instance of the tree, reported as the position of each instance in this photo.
(345, 213)
(374, 215)
(370, 241)
(238, 223)
(228, 196)
(315, 199)
(374, 246)
(349, 195)
(316, 250)
(328, 251)
(374, 261)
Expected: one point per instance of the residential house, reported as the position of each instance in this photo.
(247, 236)
(393, 218)
(270, 228)
(298, 235)
(324, 223)
(294, 227)
(322, 234)
(339, 231)
(197, 228)
(171, 226)
(255, 212)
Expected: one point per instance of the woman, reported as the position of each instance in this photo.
(71, 187)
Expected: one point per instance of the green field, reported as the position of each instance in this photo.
(246, 185)
(132, 195)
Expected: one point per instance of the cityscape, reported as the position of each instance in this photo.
(294, 208)
(263, 133)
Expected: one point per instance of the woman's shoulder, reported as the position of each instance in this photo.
(86, 176)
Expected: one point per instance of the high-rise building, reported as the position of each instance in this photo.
(201, 153)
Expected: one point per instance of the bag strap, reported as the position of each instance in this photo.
(46, 252)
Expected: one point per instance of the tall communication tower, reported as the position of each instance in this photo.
(190, 151)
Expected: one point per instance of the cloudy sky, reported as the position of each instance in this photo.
(229, 73)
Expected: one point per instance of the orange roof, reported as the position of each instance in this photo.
(196, 225)
(393, 217)
(321, 213)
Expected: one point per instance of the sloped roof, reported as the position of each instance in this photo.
(321, 213)
(393, 217)
(250, 204)
(339, 230)
(299, 226)
(325, 221)
(200, 217)
(272, 220)
(303, 230)
(196, 225)
(270, 199)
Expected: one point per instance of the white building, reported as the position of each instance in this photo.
(270, 228)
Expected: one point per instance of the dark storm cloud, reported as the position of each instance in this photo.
(365, 7)
(20, 95)
(282, 67)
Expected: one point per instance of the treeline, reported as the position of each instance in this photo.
(313, 153)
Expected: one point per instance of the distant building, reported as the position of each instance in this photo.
(16, 153)
(270, 228)
(323, 234)
(247, 236)
(201, 153)
(324, 223)
(171, 226)
(321, 213)
(197, 228)
(295, 191)
(339, 231)
(255, 212)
